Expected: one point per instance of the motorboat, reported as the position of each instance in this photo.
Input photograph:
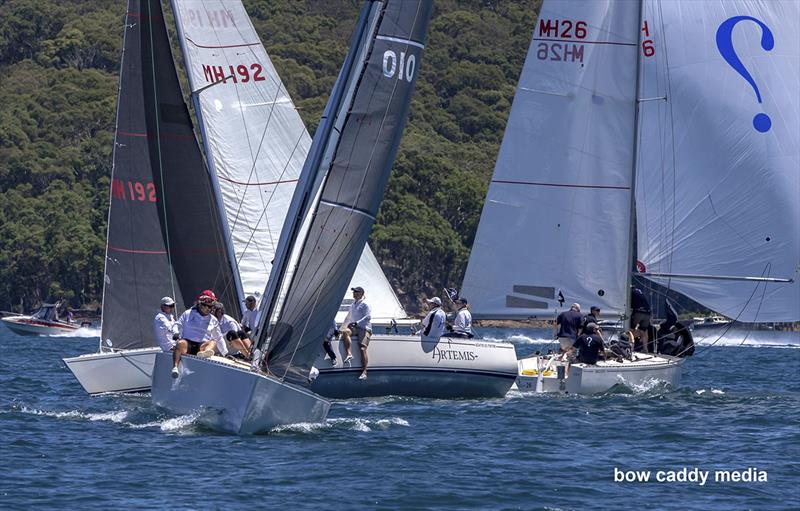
(44, 321)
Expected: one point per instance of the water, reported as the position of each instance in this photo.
(738, 407)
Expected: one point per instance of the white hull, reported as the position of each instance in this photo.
(231, 397)
(25, 325)
(117, 371)
(594, 379)
(406, 366)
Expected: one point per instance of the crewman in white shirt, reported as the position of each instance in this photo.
(358, 322)
(197, 330)
(250, 316)
(162, 324)
(234, 337)
(462, 324)
(433, 324)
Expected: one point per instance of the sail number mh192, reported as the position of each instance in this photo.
(240, 73)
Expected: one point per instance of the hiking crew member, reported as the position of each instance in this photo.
(640, 317)
(358, 322)
(162, 324)
(568, 322)
(197, 331)
(433, 324)
(235, 338)
(589, 346)
(462, 324)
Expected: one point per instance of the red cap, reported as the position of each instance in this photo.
(207, 296)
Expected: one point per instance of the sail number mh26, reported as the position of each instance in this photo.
(555, 38)
(403, 67)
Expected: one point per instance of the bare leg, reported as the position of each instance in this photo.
(365, 359)
(347, 343)
(181, 347)
(208, 345)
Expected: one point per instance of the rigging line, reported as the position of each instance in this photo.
(758, 310)
(158, 145)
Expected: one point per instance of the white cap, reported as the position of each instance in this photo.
(167, 301)
(435, 300)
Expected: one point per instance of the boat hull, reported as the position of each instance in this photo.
(595, 379)
(406, 366)
(232, 398)
(25, 325)
(117, 371)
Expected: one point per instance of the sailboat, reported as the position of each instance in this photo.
(329, 219)
(257, 143)
(165, 235)
(587, 129)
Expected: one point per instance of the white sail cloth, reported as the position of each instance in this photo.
(557, 216)
(715, 196)
(255, 140)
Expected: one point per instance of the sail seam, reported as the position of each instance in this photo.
(347, 207)
(561, 185)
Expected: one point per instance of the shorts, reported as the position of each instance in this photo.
(642, 319)
(194, 347)
(363, 336)
(566, 343)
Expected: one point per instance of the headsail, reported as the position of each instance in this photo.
(715, 195)
(255, 139)
(344, 178)
(163, 238)
(555, 225)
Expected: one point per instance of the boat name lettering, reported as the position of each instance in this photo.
(212, 18)
(240, 73)
(133, 190)
(648, 46)
(439, 355)
(404, 69)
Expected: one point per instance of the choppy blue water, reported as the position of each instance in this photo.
(738, 408)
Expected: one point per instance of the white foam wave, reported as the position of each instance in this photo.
(117, 416)
(352, 423)
(84, 331)
(521, 339)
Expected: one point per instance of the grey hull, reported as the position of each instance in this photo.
(407, 366)
(231, 398)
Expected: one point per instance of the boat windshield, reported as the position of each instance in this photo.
(46, 313)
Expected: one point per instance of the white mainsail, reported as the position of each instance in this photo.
(556, 220)
(716, 196)
(255, 140)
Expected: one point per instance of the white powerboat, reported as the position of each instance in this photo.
(715, 321)
(404, 365)
(44, 321)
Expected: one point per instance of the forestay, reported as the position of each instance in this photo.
(555, 225)
(718, 194)
(163, 233)
(348, 169)
(255, 139)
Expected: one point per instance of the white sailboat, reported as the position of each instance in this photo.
(257, 144)
(164, 233)
(330, 216)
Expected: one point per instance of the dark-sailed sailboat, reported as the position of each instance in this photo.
(330, 217)
(165, 233)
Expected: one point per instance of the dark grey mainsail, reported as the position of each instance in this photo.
(164, 236)
(343, 181)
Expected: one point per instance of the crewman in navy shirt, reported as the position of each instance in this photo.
(590, 345)
(568, 323)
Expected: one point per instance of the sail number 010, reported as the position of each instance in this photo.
(403, 67)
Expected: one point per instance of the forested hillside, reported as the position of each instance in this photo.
(58, 79)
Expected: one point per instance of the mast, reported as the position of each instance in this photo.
(632, 210)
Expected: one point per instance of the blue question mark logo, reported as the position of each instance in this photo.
(761, 122)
